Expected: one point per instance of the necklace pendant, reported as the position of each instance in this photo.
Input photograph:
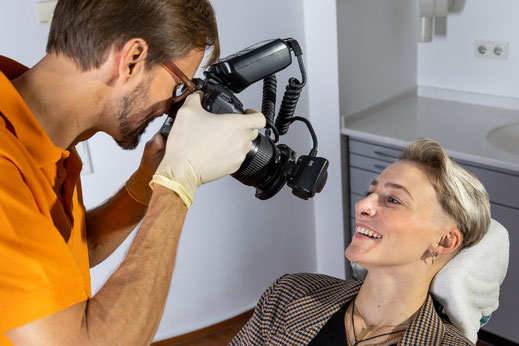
(363, 334)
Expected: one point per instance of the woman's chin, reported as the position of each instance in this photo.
(358, 255)
(353, 254)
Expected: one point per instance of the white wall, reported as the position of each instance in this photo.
(323, 90)
(449, 62)
(377, 51)
(233, 245)
(21, 36)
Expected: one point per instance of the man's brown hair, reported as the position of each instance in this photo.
(86, 30)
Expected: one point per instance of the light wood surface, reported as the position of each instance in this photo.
(216, 335)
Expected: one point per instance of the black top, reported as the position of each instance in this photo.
(333, 332)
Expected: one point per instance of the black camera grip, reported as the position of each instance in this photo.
(218, 99)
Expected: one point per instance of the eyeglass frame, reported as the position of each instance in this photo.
(177, 72)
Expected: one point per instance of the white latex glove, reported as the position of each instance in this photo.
(203, 147)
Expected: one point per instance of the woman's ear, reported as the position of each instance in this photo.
(450, 242)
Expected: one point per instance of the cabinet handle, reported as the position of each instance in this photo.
(388, 156)
(380, 167)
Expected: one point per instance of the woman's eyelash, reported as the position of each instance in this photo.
(393, 200)
(389, 199)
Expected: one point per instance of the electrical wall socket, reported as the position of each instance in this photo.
(491, 49)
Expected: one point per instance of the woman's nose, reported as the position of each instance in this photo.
(366, 207)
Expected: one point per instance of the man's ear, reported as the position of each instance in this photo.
(450, 242)
(132, 59)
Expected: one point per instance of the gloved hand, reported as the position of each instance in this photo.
(203, 147)
(138, 185)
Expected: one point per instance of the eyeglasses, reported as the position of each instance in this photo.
(183, 89)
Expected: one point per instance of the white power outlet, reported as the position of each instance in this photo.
(491, 49)
(46, 11)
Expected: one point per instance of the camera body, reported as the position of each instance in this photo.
(267, 166)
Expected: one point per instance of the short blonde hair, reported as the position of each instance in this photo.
(460, 193)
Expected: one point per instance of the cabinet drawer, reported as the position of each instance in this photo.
(370, 164)
(381, 152)
(360, 180)
(503, 188)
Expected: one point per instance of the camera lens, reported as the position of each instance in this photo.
(266, 167)
(260, 163)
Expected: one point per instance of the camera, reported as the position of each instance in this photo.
(268, 166)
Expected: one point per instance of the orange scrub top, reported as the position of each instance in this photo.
(43, 249)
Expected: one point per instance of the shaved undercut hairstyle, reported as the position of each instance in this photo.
(86, 30)
(460, 193)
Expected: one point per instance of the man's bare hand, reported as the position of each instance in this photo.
(138, 184)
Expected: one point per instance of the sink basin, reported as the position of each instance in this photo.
(505, 138)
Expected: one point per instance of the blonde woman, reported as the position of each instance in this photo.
(418, 214)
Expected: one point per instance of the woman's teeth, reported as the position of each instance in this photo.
(368, 233)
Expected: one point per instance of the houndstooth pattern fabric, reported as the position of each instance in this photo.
(295, 307)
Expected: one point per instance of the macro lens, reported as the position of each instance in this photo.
(260, 163)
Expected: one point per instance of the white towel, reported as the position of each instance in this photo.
(468, 285)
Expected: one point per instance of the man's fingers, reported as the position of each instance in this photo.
(194, 98)
(254, 134)
(156, 143)
(254, 119)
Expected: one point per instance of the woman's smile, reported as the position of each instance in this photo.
(365, 232)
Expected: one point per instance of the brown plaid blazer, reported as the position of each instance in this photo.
(295, 307)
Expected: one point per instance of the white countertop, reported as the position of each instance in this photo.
(460, 128)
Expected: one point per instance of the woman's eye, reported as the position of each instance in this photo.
(392, 200)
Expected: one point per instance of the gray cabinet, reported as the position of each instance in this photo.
(367, 159)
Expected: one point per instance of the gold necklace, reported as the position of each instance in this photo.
(385, 342)
(366, 331)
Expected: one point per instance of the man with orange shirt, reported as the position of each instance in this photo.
(111, 66)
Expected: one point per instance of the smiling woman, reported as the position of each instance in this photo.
(417, 215)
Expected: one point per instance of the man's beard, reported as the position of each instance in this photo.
(131, 135)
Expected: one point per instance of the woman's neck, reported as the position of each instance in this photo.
(390, 299)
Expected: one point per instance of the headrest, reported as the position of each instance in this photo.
(468, 285)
